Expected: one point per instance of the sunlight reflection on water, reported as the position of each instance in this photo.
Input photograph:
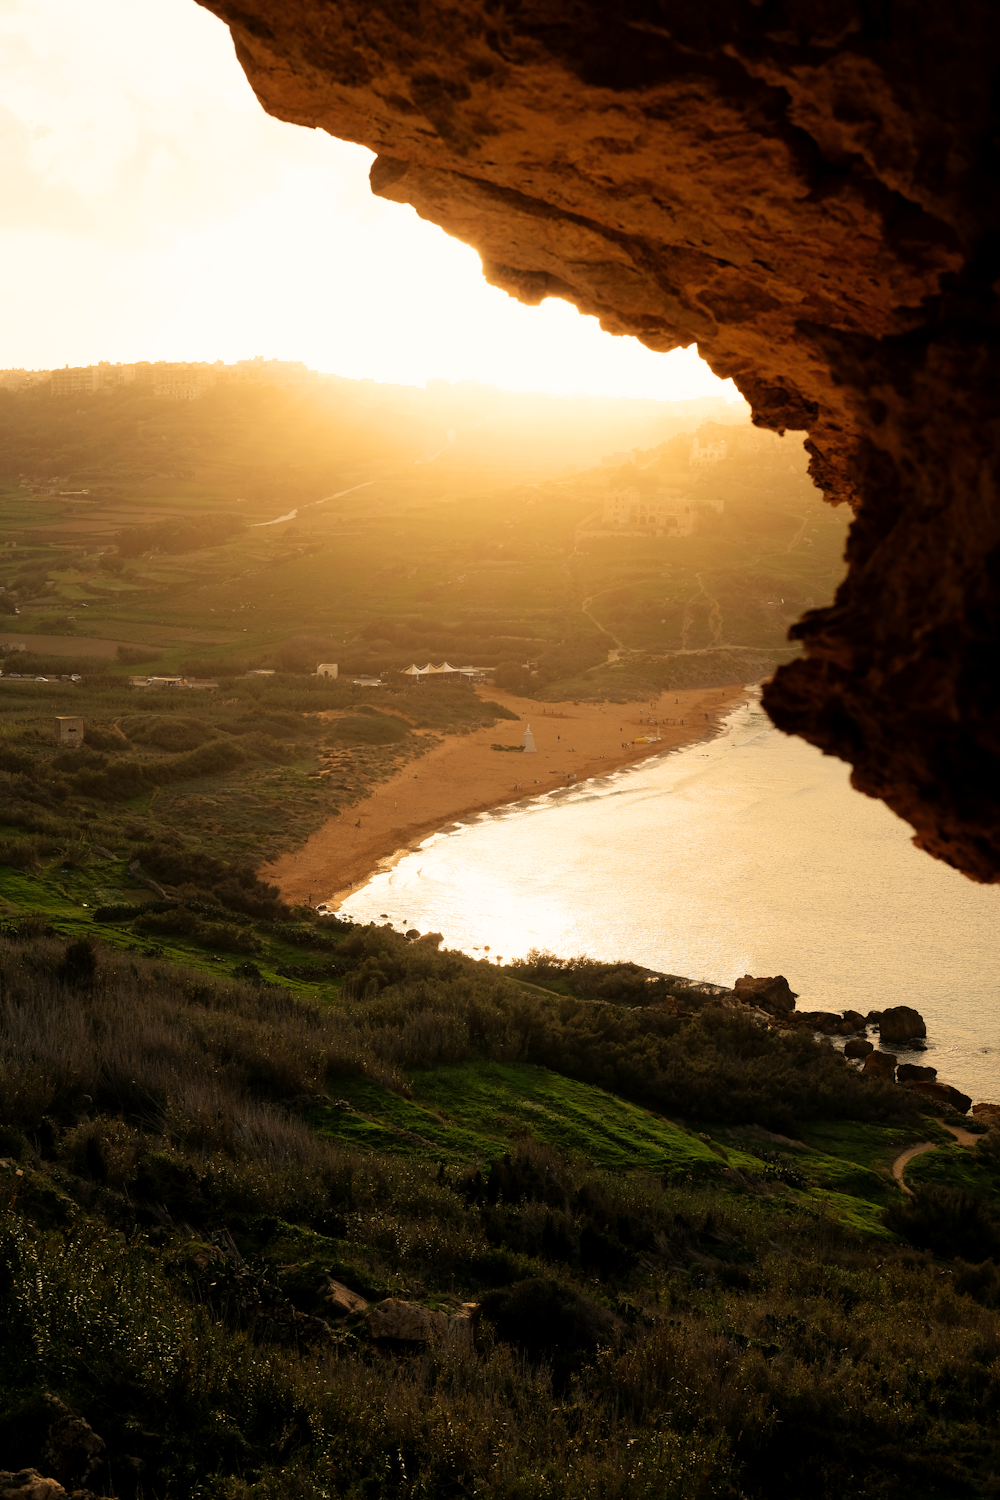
(750, 853)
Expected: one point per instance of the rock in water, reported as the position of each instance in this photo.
(772, 995)
(901, 1023)
(858, 1048)
(943, 1093)
(880, 1065)
(911, 1073)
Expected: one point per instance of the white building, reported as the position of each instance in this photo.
(707, 453)
(662, 512)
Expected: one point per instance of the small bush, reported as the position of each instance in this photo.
(183, 922)
(367, 730)
(19, 853)
(174, 734)
(948, 1222)
(79, 965)
(549, 1321)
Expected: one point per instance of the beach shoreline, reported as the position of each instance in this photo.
(460, 776)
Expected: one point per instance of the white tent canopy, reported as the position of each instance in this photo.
(444, 670)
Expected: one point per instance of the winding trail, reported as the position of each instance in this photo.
(963, 1137)
(619, 647)
(714, 621)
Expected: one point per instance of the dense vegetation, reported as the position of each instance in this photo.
(226, 1123)
(668, 1306)
(244, 771)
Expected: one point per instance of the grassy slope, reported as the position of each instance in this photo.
(182, 1206)
(767, 1331)
(478, 1111)
(457, 557)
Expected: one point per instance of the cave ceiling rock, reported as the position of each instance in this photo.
(808, 190)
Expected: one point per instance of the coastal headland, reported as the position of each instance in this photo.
(460, 775)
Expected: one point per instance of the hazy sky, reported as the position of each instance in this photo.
(150, 209)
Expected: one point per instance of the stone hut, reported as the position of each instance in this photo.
(69, 729)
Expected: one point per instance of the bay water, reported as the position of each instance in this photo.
(746, 854)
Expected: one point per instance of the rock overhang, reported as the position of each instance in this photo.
(808, 191)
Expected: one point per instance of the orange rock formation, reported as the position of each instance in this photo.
(808, 189)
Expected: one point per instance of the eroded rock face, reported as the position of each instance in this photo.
(808, 191)
(943, 1093)
(880, 1065)
(901, 1023)
(771, 994)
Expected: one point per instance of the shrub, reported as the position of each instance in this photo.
(512, 677)
(948, 1222)
(367, 730)
(549, 1321)
(169, 733)
(79, 965)
(19, 853)
(234, 886)
(120, 781)
(187, 923)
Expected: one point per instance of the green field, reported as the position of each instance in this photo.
(462, 557)
(691, 1272)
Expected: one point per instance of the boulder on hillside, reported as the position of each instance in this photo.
(341, 1300)
(901, 1023)
(858, 1047)
(911, 1073)
(407, 1322)
(28, 1484)
(880, 1065)
(73, 1451)
(770, 994)
(988, 1113)
(943, 1093)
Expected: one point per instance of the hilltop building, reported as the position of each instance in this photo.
(172, 380)
(706, 452)
(662, 511)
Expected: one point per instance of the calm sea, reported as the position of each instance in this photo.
(748, 854)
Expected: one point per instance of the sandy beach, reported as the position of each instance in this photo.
(462, 775)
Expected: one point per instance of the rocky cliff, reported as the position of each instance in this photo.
(808, 189)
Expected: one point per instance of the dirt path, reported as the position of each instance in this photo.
(618, 647)
(963, 1137)
(714, 616)
(462, 776)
